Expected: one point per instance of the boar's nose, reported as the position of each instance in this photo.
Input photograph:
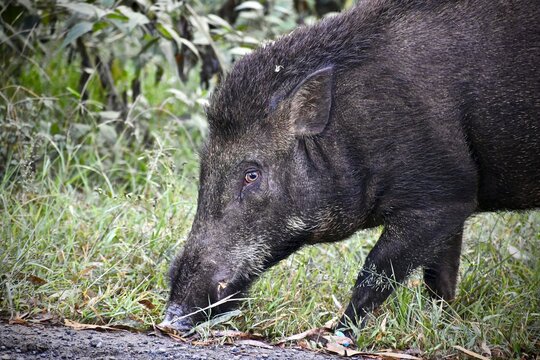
(176, 319)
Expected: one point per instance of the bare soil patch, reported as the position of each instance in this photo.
(54, 342)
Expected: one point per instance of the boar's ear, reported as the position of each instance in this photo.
(311, 103)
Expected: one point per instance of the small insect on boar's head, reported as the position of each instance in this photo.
(259, 199)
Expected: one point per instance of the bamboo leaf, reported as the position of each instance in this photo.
(202, 26)
(171, 34)
(240, 51)
(217, 21)
(85, 9)
(135, 18)
(76, 32)
(250, 5)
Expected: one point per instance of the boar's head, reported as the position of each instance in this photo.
(267, 187)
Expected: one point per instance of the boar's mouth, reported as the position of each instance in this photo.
(225, 297)
(176, 318)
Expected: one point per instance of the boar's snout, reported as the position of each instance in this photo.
(201, 276)
(176, 318)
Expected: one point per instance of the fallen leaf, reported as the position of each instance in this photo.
(176, 337)
(470, 353)
(78, 326)
(36, 280)
(17, 321)
(336, 349)
(317, 338)
(129, 324)
(204, 342)
(343, 351)
(254, 343)
(235, 334)
(147, 303)
(516, 253)
(43, 318)
(485, 349)
(230, 333)
(413, 352)
(170, 331)
(86, 270)
(337, 339)
(304, 344)
(308, 333)
(331, 324)
(395, 355)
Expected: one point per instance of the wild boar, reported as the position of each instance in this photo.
(412, 115)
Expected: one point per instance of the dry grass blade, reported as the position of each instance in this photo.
(255, 343)
(18, 321)
(470, 353)
(302, 335)
(395, 355)
(78, 326)
(235, 334)
(343, 351)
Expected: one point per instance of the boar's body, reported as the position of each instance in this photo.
(412, 115)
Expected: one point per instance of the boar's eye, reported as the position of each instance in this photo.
(251, 176)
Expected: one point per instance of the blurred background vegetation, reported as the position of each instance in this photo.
(118, 69)
(101, 115)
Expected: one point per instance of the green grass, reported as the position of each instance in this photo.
(93, 243)
(101, 245)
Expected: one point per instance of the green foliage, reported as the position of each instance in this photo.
(114, 69)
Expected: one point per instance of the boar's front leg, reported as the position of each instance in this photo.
(430, 238)
(441, 274)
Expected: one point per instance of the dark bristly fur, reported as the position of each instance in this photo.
(408, 114)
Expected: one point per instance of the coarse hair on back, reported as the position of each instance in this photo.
(260, 80)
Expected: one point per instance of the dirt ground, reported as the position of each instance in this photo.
(53, 342)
